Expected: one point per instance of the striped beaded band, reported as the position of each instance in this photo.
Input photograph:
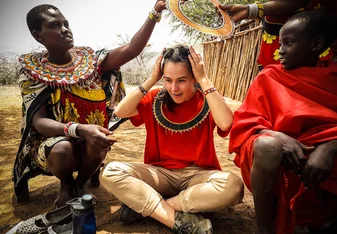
(153, 17)
(261, 10)
(210, 90)
(70, 130)
(141, 88)
(156, 13)
(253, 11)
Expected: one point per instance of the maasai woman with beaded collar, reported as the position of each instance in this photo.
(65, 119)
(180, 160)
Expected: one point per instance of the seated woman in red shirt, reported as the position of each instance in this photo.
(180, 160)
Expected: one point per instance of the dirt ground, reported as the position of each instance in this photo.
(129, 147)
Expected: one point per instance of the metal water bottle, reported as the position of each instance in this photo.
(84, 221)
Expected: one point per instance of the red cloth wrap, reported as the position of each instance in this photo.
(301, 103)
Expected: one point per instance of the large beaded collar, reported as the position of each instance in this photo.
(163, 121)
(81, 70)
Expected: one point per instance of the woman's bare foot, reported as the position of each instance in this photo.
(65, 194)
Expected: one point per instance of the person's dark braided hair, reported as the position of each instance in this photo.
(34, 16)
(318, 23)
(177, 54)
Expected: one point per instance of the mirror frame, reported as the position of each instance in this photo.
(226, 30)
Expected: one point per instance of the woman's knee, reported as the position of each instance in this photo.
(267, 151)
(235, 188)
(229, 187)
(62, 155)
(112, 173)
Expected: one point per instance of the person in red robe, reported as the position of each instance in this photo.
(285, 132)
(274, 14)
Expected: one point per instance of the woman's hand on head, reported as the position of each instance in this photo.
(237, 11)
(96, 136)
(197, 64)
(157, 72)
(160, 5)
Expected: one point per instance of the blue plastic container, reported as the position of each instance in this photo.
(84, 221)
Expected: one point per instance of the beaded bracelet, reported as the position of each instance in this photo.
(141, 88)
(155, 16)
(261, 10)
(253, 11)
(70, 130)
(210, 90)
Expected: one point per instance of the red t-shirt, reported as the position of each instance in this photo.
(175, 150)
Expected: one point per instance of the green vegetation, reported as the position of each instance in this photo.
(202, 12)
(9, 71)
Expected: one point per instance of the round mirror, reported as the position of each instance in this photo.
(203, 15)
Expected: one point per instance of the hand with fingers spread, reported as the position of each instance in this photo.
(237, 11)
(96, 136)
(197, 64)
(319, 165)
(157, 72)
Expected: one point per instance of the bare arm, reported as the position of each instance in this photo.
(222, 114)
(91, 133)
(125, 53)
(128, 106)
(46, 126)
(280, 7)
(271, 8)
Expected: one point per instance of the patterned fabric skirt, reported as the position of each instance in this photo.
(39, 149)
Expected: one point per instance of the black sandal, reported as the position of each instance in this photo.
(36, 224)
(59, 229)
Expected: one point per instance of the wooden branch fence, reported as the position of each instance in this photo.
(231, 63)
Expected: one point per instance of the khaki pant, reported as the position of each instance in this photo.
(141, 187)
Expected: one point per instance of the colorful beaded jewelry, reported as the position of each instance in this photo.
(253, 11)
(261, 10)
(82, 69)
(70, 130)
(210, 90)
(141, 88)
(163, 121)
(155, 15)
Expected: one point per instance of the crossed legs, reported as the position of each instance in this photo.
(141, 188)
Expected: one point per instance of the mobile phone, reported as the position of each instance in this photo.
(113, 125)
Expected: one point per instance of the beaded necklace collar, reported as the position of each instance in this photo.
(178, 127)
(81, 70)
